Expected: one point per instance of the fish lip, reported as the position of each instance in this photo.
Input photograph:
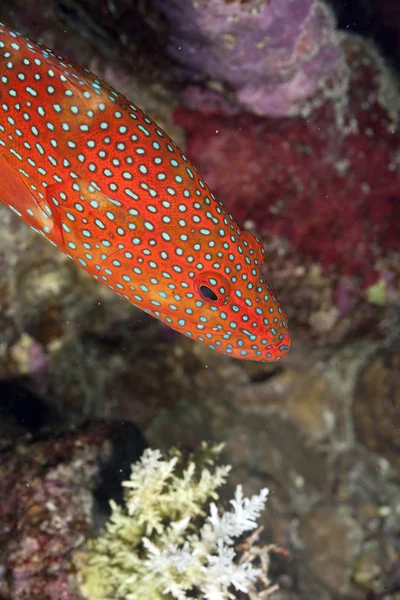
(285, 341)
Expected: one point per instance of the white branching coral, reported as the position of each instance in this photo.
(171, 541)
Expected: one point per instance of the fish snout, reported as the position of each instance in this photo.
(280, 345)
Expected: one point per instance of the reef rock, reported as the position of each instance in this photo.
(267, 56)
(46, 490)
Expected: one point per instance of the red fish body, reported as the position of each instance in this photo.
(93, 174)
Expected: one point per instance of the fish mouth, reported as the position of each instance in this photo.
(285, 341)
(275, 350)
(281, 348)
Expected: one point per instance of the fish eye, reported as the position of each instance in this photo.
(207, 293)
(212, 288)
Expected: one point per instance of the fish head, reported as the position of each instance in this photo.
(225, 302)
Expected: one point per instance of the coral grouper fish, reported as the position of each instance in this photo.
(92, 173)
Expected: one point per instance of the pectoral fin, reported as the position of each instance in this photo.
(15, 193)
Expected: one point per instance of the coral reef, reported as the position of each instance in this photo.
(45, 509)
(321, 431)
(269, 57)
(46, 489)
(169, 540)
